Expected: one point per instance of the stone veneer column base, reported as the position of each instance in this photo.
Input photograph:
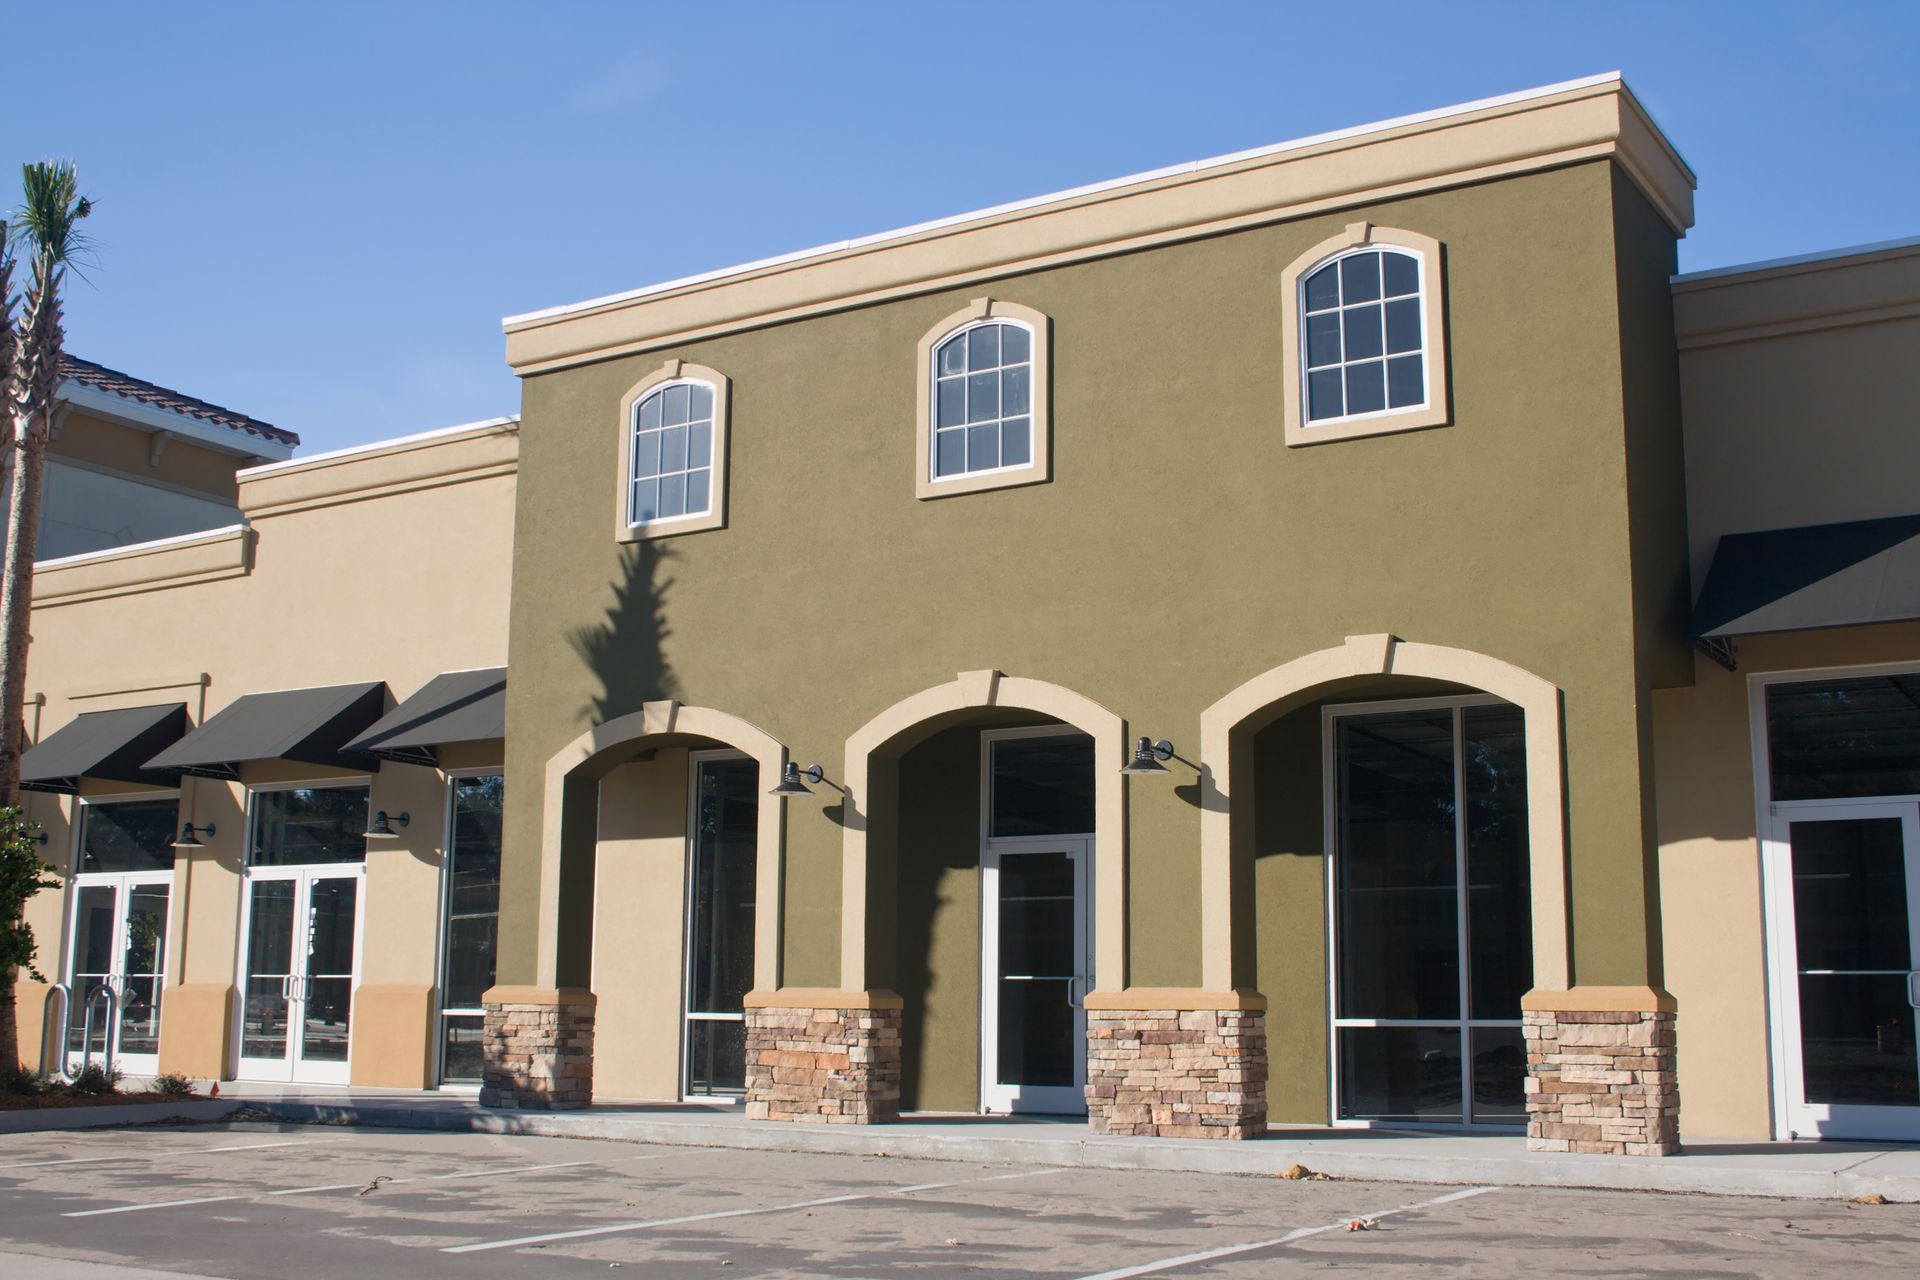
(823, 1057)
(1601, 1080)
(538, 1044)
(1176, 1072)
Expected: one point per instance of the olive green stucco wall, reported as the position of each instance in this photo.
(1180, 549)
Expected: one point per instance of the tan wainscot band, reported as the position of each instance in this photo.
(1161, 774)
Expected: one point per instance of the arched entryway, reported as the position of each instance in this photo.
(660, 849)
(1384, 852)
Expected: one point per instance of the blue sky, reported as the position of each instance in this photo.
(318, 213)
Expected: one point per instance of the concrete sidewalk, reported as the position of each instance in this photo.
(1803, 1170)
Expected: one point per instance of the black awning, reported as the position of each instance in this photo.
(311, 726)
(1821, 575)
(112, 745)
(455, 706)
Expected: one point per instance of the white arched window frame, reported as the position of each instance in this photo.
(1366, 353)
(673, 450)
(983, 420)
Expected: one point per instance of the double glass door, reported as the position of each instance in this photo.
(119, 945)
(303, 938)
(1846, 947)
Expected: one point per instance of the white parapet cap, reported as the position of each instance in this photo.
(138, 548)
(1073, 193)
(376, 446)
(1800, 260)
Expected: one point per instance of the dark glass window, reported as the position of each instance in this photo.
(305, 825)
(131, 835)
(983, 399)
(720, 922)
(1042, 786)
(1357, 310)
(473, 917)
(1841, 739)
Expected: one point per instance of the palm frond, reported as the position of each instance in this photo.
(47, 223)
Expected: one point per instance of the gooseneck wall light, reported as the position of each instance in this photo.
(1147, 757)
(790, 784)
(190, 836)
(382, 827)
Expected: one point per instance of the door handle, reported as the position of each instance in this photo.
(1913, 988)
(1071, 1002)
(286, 988)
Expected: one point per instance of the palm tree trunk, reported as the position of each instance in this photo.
(16, 600)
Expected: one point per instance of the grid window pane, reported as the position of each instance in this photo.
(673, 405)
(983, 447)
(646, 501)
(1366, 387)
(1401, 272)
(699, 401)
(1400, 1073)
(1016, 390)
(1016, 344)
(1406, 382)
(1403, 326)
(983, 347)
(950, 452)
(698, 485)
(673, 496)
(951, 402)
(1359, 278)
(650, 412)
(1361, 328)
(983, 397)
(646, 454)
(700, 444)
(1016, 442)
(1324, 397)
(953, 356)
(673, 449)
(1323, 339)
(1323, 288)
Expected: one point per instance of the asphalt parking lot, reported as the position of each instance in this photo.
(289, 1202)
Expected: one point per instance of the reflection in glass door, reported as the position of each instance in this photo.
(1850, 934)
(1432, 922)
(123, 878)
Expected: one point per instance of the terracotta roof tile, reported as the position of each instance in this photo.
(116, 383)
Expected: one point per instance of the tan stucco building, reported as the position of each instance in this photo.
(1338, 634)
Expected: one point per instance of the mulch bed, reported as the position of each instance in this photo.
(41, 1101)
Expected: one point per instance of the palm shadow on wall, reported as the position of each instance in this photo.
(625, 651)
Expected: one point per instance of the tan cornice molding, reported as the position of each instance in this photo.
(1774, 300)
(381, 470)
(152, 566)
(1592, 120)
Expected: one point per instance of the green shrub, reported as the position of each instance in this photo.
(171, 1084)
(93, 1079)
(20, 1081)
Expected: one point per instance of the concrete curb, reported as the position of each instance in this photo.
(1702, 1174)
(51, 1119)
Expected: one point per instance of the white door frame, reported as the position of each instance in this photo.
(1037, 1099)
(137, 1064)
(122, 883)
(1783, 1041)
(293, 1069)
(1800, 1117)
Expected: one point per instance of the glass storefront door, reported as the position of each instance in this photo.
(302, 941)
(306, 859)
(1432, 921)
(471, 924)
(1036, 925)
(1847, 928)
(123, 879)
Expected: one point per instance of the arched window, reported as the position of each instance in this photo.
(1365, 333)
(1364, 352)
(983, 400)
(673, 453)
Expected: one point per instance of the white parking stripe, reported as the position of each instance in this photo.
(136, 1208)
(616, 1228)
(165, 1155)
(1301, 1233)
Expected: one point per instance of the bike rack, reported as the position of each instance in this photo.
(53, 1041)
(104, 994)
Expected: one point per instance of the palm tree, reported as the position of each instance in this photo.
(45, 232)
